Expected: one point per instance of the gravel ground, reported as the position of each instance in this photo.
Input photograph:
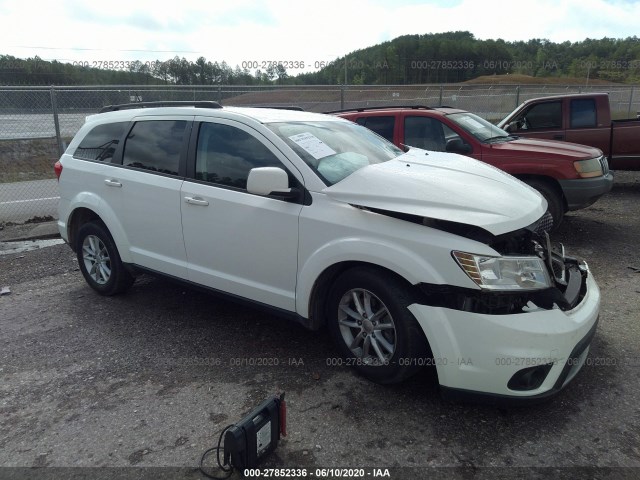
(141, 384)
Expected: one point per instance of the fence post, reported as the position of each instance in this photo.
(220, 94)
(342, 96)
(630, 102)
(441, 88)
(517, 96)
(56, 122)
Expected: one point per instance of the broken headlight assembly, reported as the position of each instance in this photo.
(505, 273)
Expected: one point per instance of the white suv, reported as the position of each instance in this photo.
(410, 259)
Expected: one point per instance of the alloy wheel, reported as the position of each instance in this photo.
(367, 327)
(97, 261)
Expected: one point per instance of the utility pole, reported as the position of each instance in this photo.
(588, 71)
(345, 69)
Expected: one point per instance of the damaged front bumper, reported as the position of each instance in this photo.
(486, 352)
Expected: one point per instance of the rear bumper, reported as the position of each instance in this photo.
(477, 355)
(582, 192)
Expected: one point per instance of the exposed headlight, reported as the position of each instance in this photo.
(588, 168)
(504, 273)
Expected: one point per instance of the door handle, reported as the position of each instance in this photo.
(558, 137)
(196, 201)
(112, 183)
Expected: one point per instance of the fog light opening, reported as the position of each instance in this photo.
(529, 378)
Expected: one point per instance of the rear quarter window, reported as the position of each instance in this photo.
(583, 113)
(101, 142)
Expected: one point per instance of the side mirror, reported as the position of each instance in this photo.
(457, 145)
(270, 181)
(510, 127)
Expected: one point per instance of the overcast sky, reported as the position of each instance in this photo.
(278, 30)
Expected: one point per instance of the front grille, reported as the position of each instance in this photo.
(545, 224)
(605, 165)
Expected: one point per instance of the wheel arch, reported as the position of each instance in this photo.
(79, 217)
(331, 259)
(396, 295)
(322, 285)
(88, 212)
(98, 258)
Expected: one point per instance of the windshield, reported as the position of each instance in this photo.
(334, 150)
(478, 127)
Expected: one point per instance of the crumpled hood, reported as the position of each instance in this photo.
(443, 186)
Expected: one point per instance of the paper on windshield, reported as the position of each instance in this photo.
(313, 145)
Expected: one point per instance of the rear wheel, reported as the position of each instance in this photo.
(99, 260)
(372, 326)
(555, 205)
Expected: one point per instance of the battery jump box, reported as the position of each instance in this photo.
(249, 441)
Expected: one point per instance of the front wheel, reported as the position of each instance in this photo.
(372, 326)
(99, 260)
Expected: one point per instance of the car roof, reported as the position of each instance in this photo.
(262, 115)
(415, 110)
(567, 95)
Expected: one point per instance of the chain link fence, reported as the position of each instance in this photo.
(36, 123)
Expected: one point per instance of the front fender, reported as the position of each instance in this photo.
(396, 258)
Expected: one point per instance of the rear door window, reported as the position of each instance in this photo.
(155, 145)
(383, 126)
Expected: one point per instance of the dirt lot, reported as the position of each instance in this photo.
(148, 379)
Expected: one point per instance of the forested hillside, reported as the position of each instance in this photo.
(410, 59)
(458, 57)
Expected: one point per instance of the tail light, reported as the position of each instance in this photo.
(57, 167)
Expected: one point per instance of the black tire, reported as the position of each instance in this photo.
(410, 347)
(100, 261)
(553, 197)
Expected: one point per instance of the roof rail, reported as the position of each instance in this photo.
(364, 109)
(128, 106)
(277, 107)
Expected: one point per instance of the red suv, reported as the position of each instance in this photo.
(569, 176)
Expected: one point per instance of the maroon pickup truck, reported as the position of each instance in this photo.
(582, 118)
(568, 176)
